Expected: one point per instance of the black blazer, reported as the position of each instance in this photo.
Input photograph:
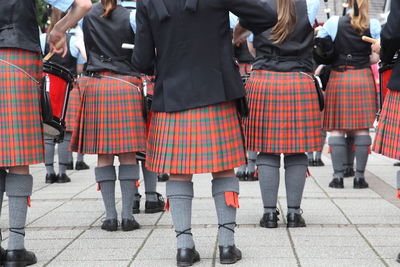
(190, 43)
(390, 42)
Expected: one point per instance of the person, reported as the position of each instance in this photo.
(75, 55)
(110, 120)
(277, 124)
(387, 140)
(195, 127)
(21, 134)
(350, 94)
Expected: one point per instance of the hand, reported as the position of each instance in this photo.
(240, 34)
(376, 47)
(57, 41)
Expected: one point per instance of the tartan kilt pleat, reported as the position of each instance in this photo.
(21, 130)
(200, 140)
(387, 139)
(74, 103)
(110, 118)
(284, 113)
(351, 102)
(244, 69)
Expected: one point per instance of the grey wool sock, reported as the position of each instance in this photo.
(251, 165)
(226, 214)
(70, 156)
(310, 155)
(49, 147)
(350, 151)
(362, 144)
(106, 177)
(318, 154)
(79, 157)
(180, 196)
(128, 176)
(18, 188)
(242, 168)
(338, 155)
(150, 184)
(268, 176)
(63, 153)
(295, 179)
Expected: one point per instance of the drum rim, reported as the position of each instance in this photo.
(58, 70)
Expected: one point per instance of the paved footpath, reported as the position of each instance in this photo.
(345, 227)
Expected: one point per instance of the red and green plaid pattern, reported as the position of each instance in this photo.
(21, 133)
(200, 140)
(387, 139)
(110, 119)
(284, 113)
(74, 103)
(244, 69)
(350, 101)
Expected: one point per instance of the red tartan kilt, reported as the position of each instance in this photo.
(21, 131)
(387, 139)
(200, 140)
(244, 69)
(74, 103)
(350, 102)
(284, 113)
(110, 118)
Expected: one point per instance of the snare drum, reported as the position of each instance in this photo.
(384, 76)
(56, 85)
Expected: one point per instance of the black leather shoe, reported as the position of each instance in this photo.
(136, 204)
(336, 183)
(242, 176)
(129, 225)
(110, 225)
(70, 165)
(19, 258)
(295, 220)
(187, 256)
(360, 183)
(229, 255)
(310, 162)
(81, 165)
(319, 163)
(163, 177)
(349, 172)
(2, 256)
(270, 220)
(155, 206)
(63, 178)
(397, 164)
(398, 258)
(250, 177)
(51, 178)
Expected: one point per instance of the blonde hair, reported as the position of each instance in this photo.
(286, 10)
(360, 23)
(108, 6)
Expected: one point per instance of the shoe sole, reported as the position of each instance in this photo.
(186, 264)
(62, 182)
(18, 264)
(295, 226)
(337, 187)
(81, 169)
(358, 187)
(130, 229)
(230, 261)
(269, 225)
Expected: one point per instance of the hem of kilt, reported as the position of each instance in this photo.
(328, 129)
(383, 153)
(198, 171)
(295, 151)
(92, 152)
(24, 163)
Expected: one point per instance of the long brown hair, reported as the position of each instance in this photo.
(108, 6)
(286, 20)
(361, 22)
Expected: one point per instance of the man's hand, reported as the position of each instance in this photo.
(57, 41)
(376, 47)
(240, 34)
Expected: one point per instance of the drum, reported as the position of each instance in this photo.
(57, 83)
(385, 72)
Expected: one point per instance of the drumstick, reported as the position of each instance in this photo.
(368, 39)
(127, 46)
(58, 45)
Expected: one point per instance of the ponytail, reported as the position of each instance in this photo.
(108, 6)
(286, 20)
(360, 23)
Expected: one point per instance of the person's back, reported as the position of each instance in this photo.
(194, 50)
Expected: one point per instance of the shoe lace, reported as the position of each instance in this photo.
(225, 226)
(184, 232)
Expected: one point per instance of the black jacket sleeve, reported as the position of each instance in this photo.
(143, 57)
(254, 15)
(390, 35)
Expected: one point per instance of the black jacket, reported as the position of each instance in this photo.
(190, 43)
(390, 41)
